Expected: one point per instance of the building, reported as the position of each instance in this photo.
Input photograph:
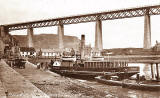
(156, 47)
(2, 46)
(87, 50)
(48, 53)
(95, 53)
(9, 46)
(27, 52)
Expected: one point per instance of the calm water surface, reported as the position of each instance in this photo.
(119, 92)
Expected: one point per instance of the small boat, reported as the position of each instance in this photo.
(108, 82)
(142, 86)
(131, 84)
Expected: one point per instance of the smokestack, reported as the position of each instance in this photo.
(82, 46)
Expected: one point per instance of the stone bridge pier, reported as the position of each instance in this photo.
(98, 36)
(30, 37)
(60, 37)
(147, 31)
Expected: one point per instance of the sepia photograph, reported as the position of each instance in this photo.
(79, 49)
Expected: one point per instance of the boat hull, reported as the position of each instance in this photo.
(148, 87)
(137, 86)
(78, 74)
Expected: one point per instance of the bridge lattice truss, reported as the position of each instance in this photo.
(110, 15)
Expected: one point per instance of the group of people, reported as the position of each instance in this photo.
(70, 53)
(43, 65)
(140, 78)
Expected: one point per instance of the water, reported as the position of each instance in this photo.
(145, 69)
(119, 92)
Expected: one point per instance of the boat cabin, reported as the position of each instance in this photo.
(104, 64)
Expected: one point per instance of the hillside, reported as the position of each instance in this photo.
(48, 41)
(131, 51)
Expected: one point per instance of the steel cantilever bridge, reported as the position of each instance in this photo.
(109, 15)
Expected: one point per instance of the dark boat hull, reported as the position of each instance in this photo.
(91, 74)
(148, 87)
(77, 74)
(137, 86)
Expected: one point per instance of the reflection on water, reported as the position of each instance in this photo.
(119, 92)
(145, 69)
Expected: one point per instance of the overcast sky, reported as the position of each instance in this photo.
(120, 33)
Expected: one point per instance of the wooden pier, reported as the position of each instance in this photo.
(14, 85)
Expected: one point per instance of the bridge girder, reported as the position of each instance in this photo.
(109, 15)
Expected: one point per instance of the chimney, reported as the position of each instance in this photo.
(82, 46)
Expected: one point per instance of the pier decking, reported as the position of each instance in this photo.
(14, 85)
(57, 86)
(2, 91)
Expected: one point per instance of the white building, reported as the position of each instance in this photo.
(27, 51)
(48, 53)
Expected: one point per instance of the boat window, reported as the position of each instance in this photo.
(113, 64)
(94, 64)
(97, 64)
(105, 65)
(90, 64)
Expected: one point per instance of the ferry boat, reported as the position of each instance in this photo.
(73, 67)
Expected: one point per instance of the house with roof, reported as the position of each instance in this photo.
(27, 51)
(48, 53)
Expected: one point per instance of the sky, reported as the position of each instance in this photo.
(120, 33)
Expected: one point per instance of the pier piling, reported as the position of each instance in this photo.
(152, 71)
(157, 71)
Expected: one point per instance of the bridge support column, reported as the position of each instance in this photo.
(157, 71)
(82, 46)
(60, 36)
(98, 36)
(30, 37)
(152, 71)
(147, 32)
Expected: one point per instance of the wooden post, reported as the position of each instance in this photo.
(152, 73)
(157, 71)
(125, 63)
